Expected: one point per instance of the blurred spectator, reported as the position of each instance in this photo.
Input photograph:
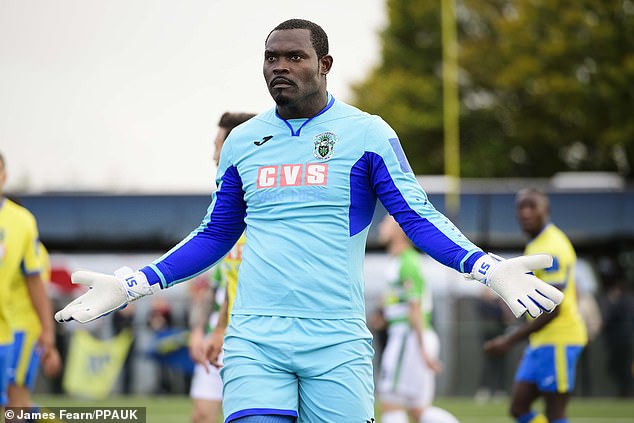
(591, 315)
(618, 327)
(160, 323)
(62, 291)
(121, 320)
(160, 317)
(378, 326)
(494, 317)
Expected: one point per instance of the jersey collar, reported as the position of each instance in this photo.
(296, 132)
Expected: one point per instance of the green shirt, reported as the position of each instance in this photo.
(405, 284)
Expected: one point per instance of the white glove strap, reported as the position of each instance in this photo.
(483, 268)
(134, 284)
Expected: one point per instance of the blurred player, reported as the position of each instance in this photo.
(556, 340)
(410, 360)
(19, 255)
(206, 387)
(27, 329)
(303, 178)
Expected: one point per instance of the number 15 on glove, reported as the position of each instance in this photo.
(514, 281)
(106, 294)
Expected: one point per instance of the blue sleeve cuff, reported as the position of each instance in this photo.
(466, 265)
(153, 276)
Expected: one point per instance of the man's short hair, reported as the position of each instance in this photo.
(230, 120)
(318, 36)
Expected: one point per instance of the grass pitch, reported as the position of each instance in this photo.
(176, 409)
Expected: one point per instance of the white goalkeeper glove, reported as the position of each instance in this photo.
(107, 293)
(514, 281)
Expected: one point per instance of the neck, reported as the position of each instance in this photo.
(306, 107)
(533, 235)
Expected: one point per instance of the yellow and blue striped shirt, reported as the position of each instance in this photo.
(23, 314)
(568, 327)
(18, 255)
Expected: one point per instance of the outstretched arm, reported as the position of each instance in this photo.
(393, 181)
(205, 246)
(503, 343)
(210, 242)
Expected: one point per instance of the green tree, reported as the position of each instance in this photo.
(545, 86)
(405, 88)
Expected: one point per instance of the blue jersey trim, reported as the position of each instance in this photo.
(154, 276)
(419, 229)
(260, 412)
(554, 267)
(400, 155)
(561, 285)
(26, 272)
(467, 263)
(362, 196)
(299, 130)
(211, 241)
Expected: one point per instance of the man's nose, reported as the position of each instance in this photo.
(281, 66)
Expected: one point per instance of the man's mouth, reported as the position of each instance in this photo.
(281, 82)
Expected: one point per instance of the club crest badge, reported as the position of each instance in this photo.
(324, 145)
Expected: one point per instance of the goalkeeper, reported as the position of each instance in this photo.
(303, 178)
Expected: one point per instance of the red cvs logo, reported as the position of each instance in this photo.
(292, 175)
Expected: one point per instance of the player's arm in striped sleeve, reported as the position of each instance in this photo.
(211, 241)
(206, 245)
(394, 183)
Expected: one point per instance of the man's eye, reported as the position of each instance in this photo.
(269, 58)
(296, 58)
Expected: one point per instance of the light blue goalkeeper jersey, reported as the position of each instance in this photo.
(306, 191)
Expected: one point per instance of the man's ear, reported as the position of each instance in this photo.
(325, 64)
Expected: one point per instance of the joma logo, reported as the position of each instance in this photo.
(292, 175)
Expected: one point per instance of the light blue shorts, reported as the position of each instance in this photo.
(317, 370)
(6, 351)
(550, 367)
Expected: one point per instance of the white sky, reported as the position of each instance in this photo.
(124, 96)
